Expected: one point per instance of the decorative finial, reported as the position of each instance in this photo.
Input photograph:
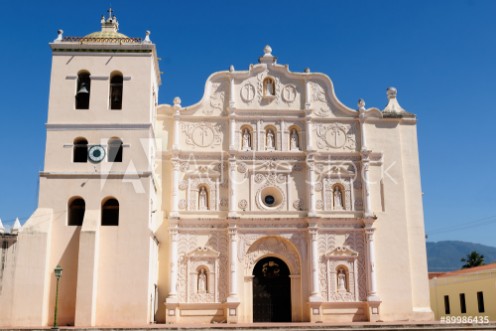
(147, 37)
(60, 35)
(267, 58)
(231, 68)
(16, 227)
(177, 101)
(361, 104)
(307, 70)
(2, 228)
(102, 20)
(392, 92)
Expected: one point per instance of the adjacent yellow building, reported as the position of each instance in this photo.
(467, 292)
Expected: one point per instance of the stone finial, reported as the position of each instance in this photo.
(392, 92)
(231, 68)
(177, 102)
(267, 57)
(361, 104)
(147, 37)
(16, 227)
(2, 228)
(393, 108)
(60, 36)
(307, 70)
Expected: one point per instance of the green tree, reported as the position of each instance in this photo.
(473, 259)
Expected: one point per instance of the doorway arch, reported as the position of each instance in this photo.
(271, 291)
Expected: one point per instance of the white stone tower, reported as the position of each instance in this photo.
(99, 193)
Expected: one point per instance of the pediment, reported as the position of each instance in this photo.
(203, 252)
(269, 88)
(342, 252)
(273, 166)
(202, 172)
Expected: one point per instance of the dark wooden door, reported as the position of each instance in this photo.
(271, 291)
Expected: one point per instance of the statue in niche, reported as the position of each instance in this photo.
(294, 140)
(246, 144)
(341, 280)
(270, 142)
(202, 199)
(269, 87)
(338, 198)
(202, 281)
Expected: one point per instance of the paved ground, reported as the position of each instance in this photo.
(382, 326)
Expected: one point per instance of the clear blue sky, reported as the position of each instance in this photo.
(441, 55)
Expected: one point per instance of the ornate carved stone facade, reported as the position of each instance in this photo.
(269, 187)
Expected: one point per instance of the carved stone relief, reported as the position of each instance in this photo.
(216, 101)
(319, 100)
(336, 136)
(248, 93)
(289, 94)
(203, 134)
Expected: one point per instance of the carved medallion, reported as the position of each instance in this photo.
(248, 92)
(289, 93)
(243, 204)
(336, 136)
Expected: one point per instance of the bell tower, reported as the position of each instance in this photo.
(99, 189)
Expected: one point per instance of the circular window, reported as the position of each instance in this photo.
(270, 198)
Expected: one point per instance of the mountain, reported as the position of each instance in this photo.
(446, 255)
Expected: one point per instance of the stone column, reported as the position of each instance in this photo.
(314, 255)
(174, 213)
(173, 234)
(311, 188)
(233, 256)
(372, 292)
(366, 185)
(233, 200)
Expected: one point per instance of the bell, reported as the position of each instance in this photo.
(83, 89)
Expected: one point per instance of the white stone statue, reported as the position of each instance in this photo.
(202, 281)
(246, 145)
(341, 281)
(202, 199)
(338, 199)
(294, 140)
(269, 87)
(270, 140)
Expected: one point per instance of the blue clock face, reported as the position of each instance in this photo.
(96, 153)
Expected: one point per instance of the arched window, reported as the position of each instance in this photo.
(80, 151)
(76, 210)
(116, 86)
(114, 150)
(110, 212)
(83, 91)
(202, 198)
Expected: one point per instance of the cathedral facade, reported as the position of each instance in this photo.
(267, 201)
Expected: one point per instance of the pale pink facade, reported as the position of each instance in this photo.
(268, 187)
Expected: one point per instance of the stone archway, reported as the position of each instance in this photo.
(283, 250)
